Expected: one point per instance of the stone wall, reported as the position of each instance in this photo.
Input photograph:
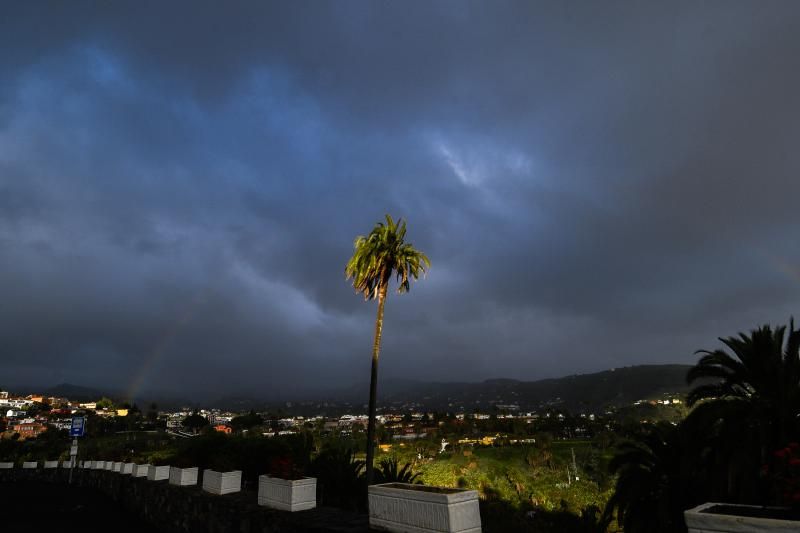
(174, 509)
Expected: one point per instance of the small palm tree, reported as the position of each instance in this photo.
(376, 258)
(389, 472)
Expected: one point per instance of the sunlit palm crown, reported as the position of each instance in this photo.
(381, 253)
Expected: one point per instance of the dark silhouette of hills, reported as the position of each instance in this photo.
(616, 387)
(576, 393)
(75, 392)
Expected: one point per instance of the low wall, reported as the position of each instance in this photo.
(174, 509)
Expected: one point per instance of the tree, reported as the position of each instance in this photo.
(745, 407)
(245, 422)
(390, 472)
(650, 492)
(376, 258)
(105, 403)
(152, 413)
(765, 374)
(195, 422)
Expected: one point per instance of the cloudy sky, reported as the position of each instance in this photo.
(597, 184)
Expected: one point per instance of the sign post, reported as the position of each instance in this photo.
(76, 430)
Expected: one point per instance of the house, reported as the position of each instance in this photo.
(28, 429)
(174, 423)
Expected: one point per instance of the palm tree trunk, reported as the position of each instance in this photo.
(373, 383)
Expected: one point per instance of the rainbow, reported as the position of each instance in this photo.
(161, 345)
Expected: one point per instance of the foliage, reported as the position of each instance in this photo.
(105, 403)
(195, 421)
(252, 455)
(382, 253)
(785, 475)
(499, 516)
(284, 468)
(246, 422)
(340, 482)
(746, 406)
(388, 472)
(518, 476)
(649, 496)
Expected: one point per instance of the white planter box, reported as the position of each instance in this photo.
(140, 470)
(66, 464)
(287, 495)
(182, 476)
(157, 473)
(30, 464)
(99, 465)
(51, 464)
(402, 507)
(222, 482)
(699, 520)
(117, 466)
(109, 465)
(127, 468)
(5, 466)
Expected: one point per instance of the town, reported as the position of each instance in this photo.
(29, 416)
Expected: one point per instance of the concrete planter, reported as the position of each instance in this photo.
(704, 519)
(402, 507)
(116, 466)
(127, 468)
(157, 473)
(140, 470)
(286, 494)
(51, 464)
(109, 465)
(30, 464)
(222, 482)
(182, 476)
(99, 465)
(66, 463)
(6, 466)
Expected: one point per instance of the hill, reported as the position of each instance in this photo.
(620, 386)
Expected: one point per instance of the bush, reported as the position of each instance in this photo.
(340, 482)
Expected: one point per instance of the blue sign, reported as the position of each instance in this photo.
(78, 425)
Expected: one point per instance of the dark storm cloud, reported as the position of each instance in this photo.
(596, 186)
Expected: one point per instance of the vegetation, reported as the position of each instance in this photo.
(376, 258)
(390, 472)
(733, 445)
(636, 468)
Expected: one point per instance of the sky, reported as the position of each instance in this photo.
(597, 184)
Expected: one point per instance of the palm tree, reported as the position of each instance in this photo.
(650, 491)
(390, 472)
(764, 375)
(376, 258)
